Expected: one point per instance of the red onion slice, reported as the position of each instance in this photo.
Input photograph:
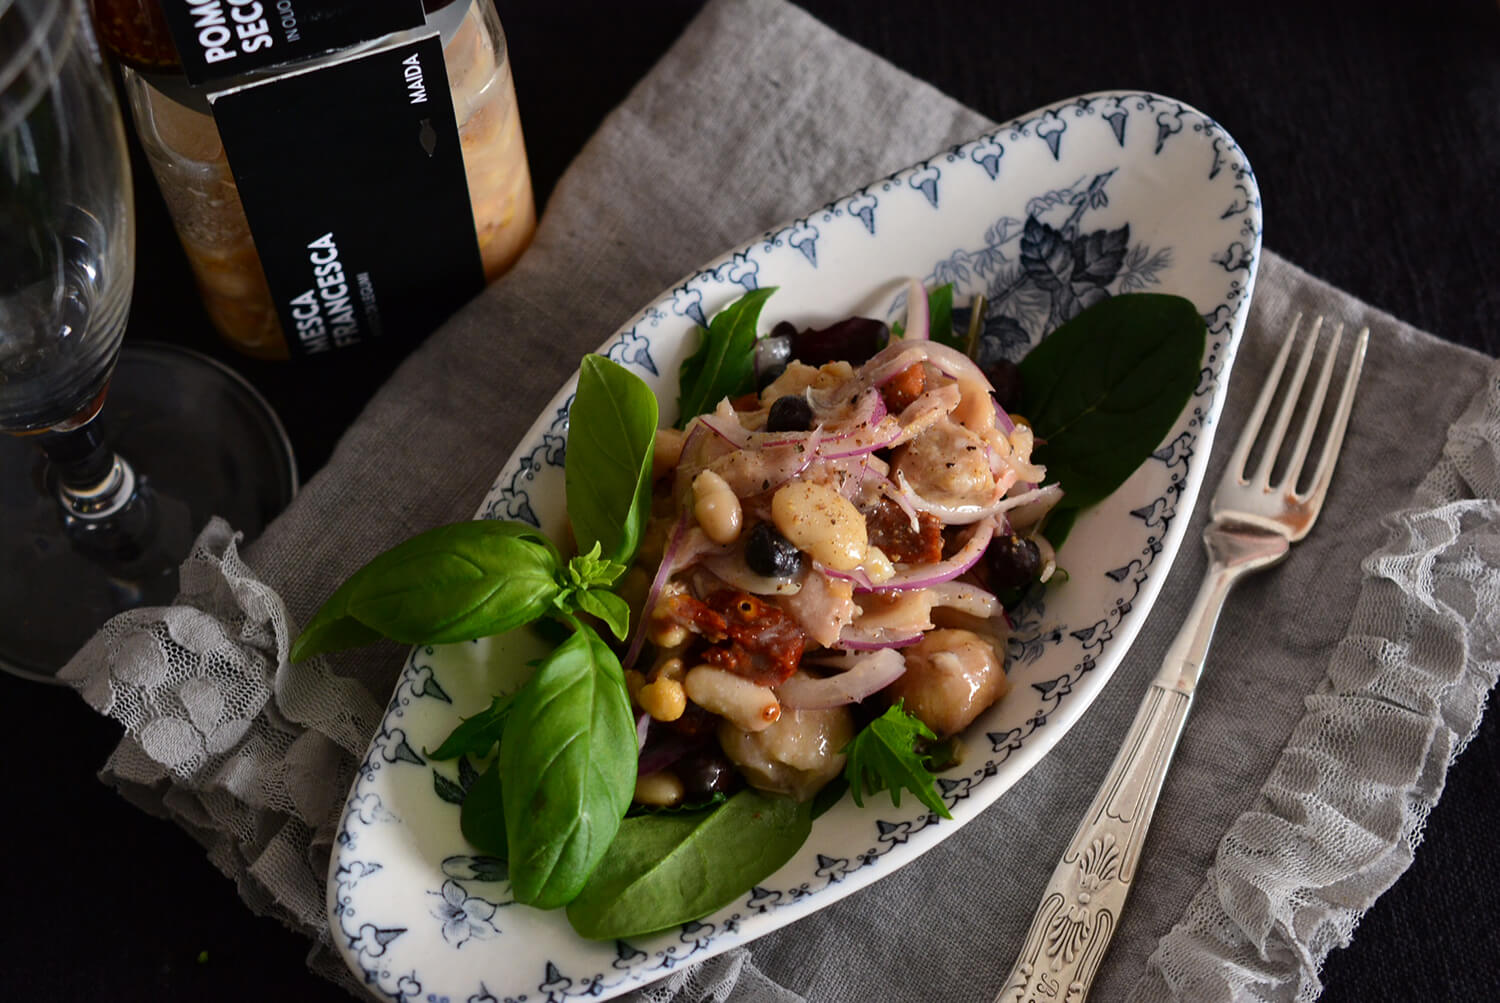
(732, 570)
(1002, 419)
(965, 598)
(853, 639)
(642, 728)
(886, 437)
(963, 515)
(730, 430)
(918, 327)
(955, 364)
(861, 580)
(866, 674)
(669, 558)
(889, 362)
(1032, 505)
(923, 575)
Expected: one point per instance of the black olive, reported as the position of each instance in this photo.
(770, 554)
(705, 773)
(853, 340)
(791, 413)
(1005, 377)
(1012, 561)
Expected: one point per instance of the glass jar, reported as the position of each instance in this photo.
(177, 131)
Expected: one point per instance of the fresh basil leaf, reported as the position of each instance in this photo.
(476, 736)
(455, 583)
(332, 629)
(607, 606)
(724, 364)
(940, 318)
(1105, 388)
(451, 583)
(883, 756)
(607, 473)
(592, 571)
(568, 757)
(663, 870)
(482, 817)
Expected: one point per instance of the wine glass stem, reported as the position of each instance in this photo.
(107, 511)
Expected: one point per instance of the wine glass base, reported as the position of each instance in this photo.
(202, 440)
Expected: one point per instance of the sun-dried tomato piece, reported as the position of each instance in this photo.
(904, 388)
(889, 528)
(693, 614)
(764, 644)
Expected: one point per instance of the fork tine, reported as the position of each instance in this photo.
(1239, 459)
(1330, 455)
(1314, 411)
(1288, 405)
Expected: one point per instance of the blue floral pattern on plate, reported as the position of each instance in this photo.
(1089, 198)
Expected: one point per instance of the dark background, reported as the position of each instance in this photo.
(1374, 130)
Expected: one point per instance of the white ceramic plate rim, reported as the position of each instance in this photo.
(970, 795)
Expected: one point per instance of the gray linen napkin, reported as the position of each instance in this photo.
(1317, 753)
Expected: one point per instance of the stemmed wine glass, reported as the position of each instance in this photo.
(98, 519)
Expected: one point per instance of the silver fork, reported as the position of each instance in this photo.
(1253, 523)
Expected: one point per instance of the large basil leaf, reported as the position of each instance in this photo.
(332, 628)
(476, 736)
(724, 364)
(1104, 389)
(568, 760)
(666, 869)
(451, 583)
(611, 428)
(481, 818)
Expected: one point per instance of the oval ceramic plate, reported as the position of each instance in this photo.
(1095, 196)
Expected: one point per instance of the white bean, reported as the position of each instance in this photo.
(716, 508)
(661, 789)
(819, 520)
(666, 451)
(734, 698)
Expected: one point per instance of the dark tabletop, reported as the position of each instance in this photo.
(1375, 135)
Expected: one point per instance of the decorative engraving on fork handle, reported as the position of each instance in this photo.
(1084, 898)
(1081, 908)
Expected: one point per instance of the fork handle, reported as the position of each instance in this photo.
(1081, 905)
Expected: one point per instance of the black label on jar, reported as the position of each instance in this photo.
(219, 39)
(353, 182)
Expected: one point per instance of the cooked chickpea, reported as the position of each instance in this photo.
(670, 669)
(822, 522)
(716, 508)
(661, 789)
(666, 451)
(666, 633)
(663, 699)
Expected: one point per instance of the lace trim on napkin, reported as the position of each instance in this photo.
(1341, 815)
(249, 754)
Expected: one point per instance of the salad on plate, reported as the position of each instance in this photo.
(796, 590)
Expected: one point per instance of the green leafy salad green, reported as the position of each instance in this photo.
(548, 773)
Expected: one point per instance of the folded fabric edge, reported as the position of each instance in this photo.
(1431, 593)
